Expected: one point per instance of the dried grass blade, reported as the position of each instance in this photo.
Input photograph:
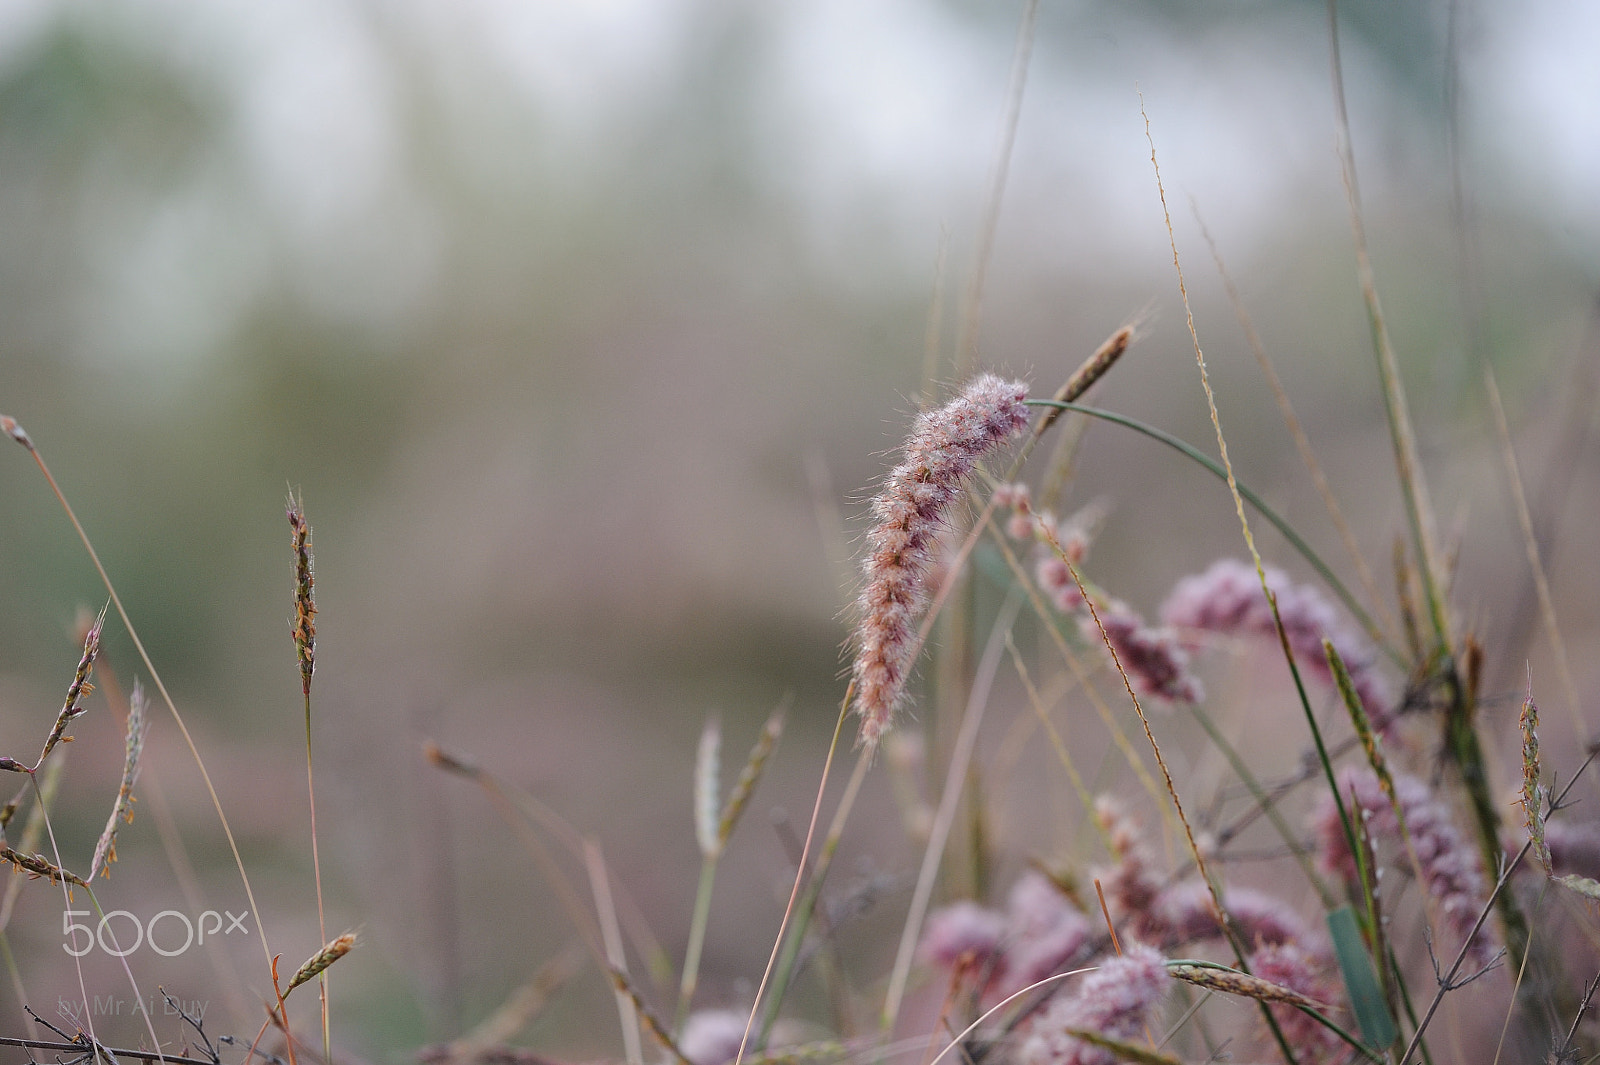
(105, 851)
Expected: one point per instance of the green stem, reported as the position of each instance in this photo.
(1266, 803)
(808, 902)
(316, 869)
(1273, 518)
(697, 938)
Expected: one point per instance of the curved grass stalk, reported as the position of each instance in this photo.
(960, 759)
(16, 433)
(808, 905)
(1276, 520)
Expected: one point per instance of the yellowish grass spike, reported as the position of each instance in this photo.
(754, 766)
(313, 966)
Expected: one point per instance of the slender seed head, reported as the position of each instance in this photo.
(105, 851)
(80, 686)
(314, 965)
(1532, 790)
(304, 626)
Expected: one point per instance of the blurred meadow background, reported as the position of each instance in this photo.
(585, 330)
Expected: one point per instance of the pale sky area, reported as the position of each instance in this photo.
(886, 111)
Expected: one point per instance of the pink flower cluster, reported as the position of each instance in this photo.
(1289, 965)
(1155, 662)
(1450, 865)
(1172, 915)
(943, 447)
(1115, 1001)
(1227, 599)
(1039, 935)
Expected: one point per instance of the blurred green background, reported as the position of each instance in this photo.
(585, 329)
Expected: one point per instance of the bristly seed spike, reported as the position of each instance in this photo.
(939, 454)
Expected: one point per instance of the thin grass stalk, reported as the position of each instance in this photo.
(517, 819)
(1302, 443)
(932, 338)
(932, 855)
(611, 936)
(1062, 753)
(1266, 803)
(697, 938)
(961, 1038)
(1522, 970)
(1530, 546)
(1488, 907)
(805, 852)
(713, 828)
(1080, 672)
(791, 949)
(1413, 488)
(652, 1023)
(304, 631)
(15, 431)
(972, 307)
(66, 899)
(56, 1047)
(1219, 910)
(1259, 505)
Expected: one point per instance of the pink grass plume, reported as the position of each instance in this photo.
(943, 447)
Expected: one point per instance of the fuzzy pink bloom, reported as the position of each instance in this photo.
(1016, 496)
(1055, 579)
(1227, 599)
(1155, 663)
(1115, 1001)
(1449, 863)
(1183, 913)
(1133, 884)
(1290, 965)
(1020, 525)
(941, 451)
(712, 1037)
(962, 931)
(1045, 934)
